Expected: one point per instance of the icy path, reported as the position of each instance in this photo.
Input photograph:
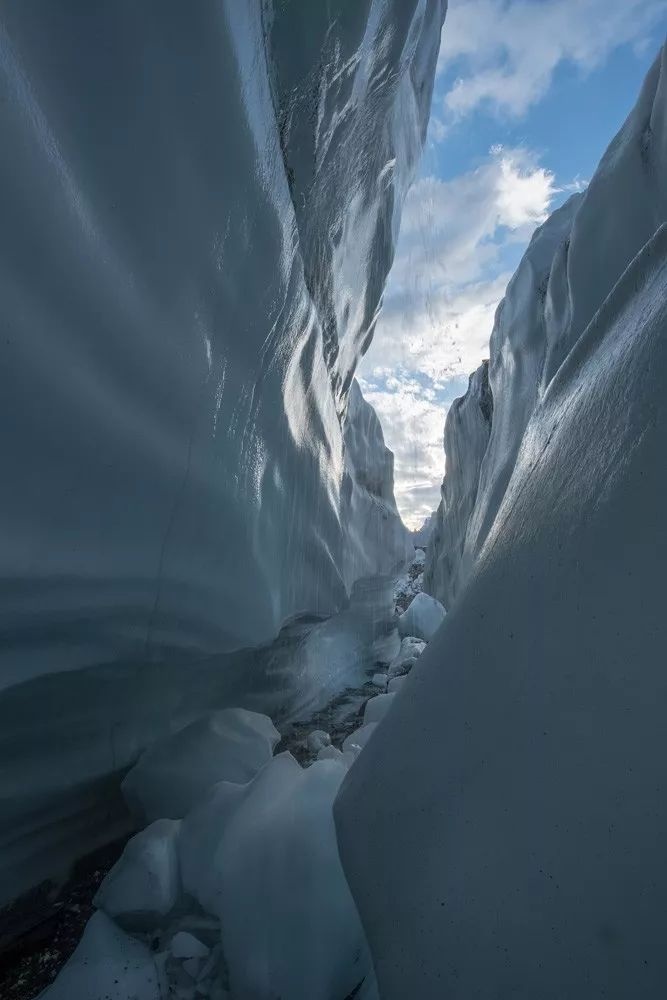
(234, 888)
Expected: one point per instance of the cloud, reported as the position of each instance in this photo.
(501, 55)
(450, 271)
(459, 243)
(412, 414)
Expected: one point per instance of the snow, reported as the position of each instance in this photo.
(228, 745)
(191, 463)
(529, 861)
(377, 707)
(264, 859)
(422, 618)
(106, 965)
(144, 884)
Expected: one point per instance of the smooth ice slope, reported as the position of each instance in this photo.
(263, 858)
(198, 215)
(529, 861)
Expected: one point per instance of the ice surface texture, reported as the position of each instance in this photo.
(263, 859)
(571, 265)
(527, 859)
(198, 216)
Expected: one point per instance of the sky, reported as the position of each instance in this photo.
(528, 94)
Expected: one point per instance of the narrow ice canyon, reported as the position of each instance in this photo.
(258, 740)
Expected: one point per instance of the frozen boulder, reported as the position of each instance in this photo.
(264, 859)
(420, 557)
(144, 884)
(410, 651)
(423, 617)
(171, 776)
(107, 964)
(377, 707)
(357, 740)
(185, 945)
(317, 739)
(396, 683)
(379, 681)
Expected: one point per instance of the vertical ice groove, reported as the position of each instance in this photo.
(198, 219)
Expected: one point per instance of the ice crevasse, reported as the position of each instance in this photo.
(527, 859)
(199, 212)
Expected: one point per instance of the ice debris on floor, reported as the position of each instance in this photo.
(168, 779)
(235, 888)
(422, 618)
(144, 884)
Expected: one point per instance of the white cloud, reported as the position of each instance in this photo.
(448, 277)
(412, 418)
(505, 52)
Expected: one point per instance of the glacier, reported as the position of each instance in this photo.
(511, 804)
(199, 213)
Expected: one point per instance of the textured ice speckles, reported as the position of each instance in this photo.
(107, 965)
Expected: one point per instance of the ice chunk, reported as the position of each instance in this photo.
(263, 857)
(411, 649)
(396, 683)
(420, 557)
(377, 707)
(330, 753)
(357, 740)
(107, 964)
(170, 777)
(379, 680)
(422, 618)
(185, 945)
(144, 884)
(317, 739)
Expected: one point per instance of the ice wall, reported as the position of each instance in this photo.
(199, 205)
(467, 430)
(571, 265)
(511, 802)
(376, 540)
